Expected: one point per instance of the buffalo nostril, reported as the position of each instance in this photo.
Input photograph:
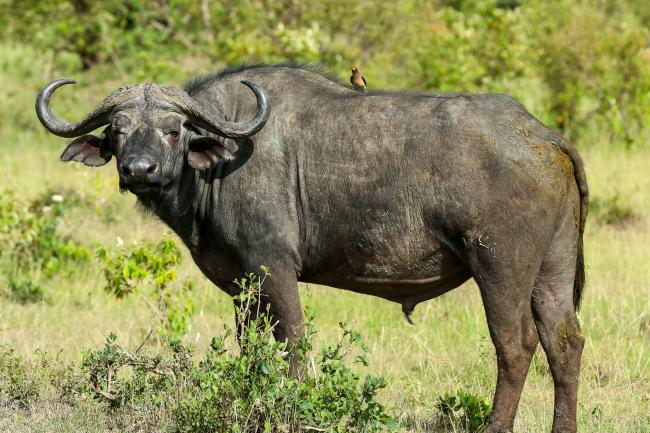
(139, 168)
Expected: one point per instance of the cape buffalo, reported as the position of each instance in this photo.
(398, 195)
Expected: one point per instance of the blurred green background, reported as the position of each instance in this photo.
(581, 66)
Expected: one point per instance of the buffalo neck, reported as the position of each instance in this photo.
(187, 206)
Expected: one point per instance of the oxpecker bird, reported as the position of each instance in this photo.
(357, 80)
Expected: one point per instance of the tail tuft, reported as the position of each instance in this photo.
(579, 282)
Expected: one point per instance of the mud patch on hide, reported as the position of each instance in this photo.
(562, 338)
(564, 162)
(522, 130)
(567, 335)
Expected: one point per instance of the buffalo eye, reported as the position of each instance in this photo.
(119, 131)
(173, 134)
(120, 125)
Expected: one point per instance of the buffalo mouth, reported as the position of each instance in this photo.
(144, 188)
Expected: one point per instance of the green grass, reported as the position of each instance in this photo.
(448, 349)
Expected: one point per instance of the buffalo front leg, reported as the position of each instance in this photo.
(278, 296)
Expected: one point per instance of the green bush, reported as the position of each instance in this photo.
(464, 410)
(25, 291)
(150, 271)
(260, 389)
(256, 391)
(31, 248)
(17, 387)
(612, 210)
(61, 379)
(597, 67)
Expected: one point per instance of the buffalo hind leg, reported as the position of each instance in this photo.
(558, 328)
(505, 290)
(513, 333)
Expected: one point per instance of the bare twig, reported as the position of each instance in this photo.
(98, 390)
(308, 427)
(109, 380)
(144, 341)
(313, 368)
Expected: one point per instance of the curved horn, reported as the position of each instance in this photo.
(181, 99)
(98, 117)
(197, 115)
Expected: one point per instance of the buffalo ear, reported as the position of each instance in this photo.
(88, 149)
(206, 152)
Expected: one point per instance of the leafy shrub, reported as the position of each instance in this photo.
(17, 387)
(149, 270)
(135, 380)
(60, 200)
(25, 291)
(252, 391)
(465, 410)
(29, 231)
(62, 379)
(612, 210)
(471, 50)
(31, 247)
(596, 67)
(256, 392)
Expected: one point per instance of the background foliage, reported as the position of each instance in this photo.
(579, 65)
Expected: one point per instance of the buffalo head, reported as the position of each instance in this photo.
(152, 130)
